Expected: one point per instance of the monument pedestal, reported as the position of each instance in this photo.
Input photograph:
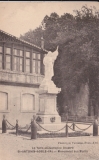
(47, 114)
(47, 109)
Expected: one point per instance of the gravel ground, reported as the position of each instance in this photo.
(21, 148)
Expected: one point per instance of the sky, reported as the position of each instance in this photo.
(19, 17)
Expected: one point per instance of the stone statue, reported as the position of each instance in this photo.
(49, 62)
(47, 83)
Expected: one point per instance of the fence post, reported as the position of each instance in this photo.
(73, 126)
(66, 130)
(95, 127)
(17, 127)
(33, 128)
(4, 125)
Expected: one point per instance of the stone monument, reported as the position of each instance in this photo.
(48, 93)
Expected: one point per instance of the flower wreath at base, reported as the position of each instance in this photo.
(39, 119)
(52, 119)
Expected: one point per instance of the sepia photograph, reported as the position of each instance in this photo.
(49, 80)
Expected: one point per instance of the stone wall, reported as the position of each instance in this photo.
(15, 108)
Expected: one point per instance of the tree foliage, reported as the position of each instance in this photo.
(79, 55)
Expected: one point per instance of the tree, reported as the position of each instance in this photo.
(79, 56)
(33, 36)
(53, 25)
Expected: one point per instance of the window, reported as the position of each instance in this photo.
(28, 102)
(34, 55)
(34, 66)
(28, 62)
(38, 67)
(1, 54)
(8, 58)
(15, 52)
(8, 50)
(0, 49)
(3, 101)
(8, 62)
(21, 64)
(21, 53)
(36, 63)
(39, 56)
(18, 60)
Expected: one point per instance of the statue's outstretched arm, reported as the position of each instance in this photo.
(57, 48)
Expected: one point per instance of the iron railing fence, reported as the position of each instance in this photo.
(72, 118)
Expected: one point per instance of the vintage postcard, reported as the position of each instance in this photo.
(49, 80)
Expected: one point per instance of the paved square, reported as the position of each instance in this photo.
(22, 148)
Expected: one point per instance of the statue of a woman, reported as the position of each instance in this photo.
(47, 84)
(49, 62)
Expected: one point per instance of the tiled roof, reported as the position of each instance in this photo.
(33, 45)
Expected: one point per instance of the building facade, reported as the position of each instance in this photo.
(21, 72)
